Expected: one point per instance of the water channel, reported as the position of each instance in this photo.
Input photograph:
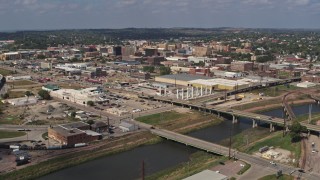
(157, 157)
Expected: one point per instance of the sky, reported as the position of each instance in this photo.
(94, 14)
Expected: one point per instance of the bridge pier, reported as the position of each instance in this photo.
(271, 127)
(182, 94)
(254, 123)
(187, 93)
(192, 92)
(234, 119)
(219, 115)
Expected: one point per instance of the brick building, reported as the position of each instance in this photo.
(241, 66)
(73, 133)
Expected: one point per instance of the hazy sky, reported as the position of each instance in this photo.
(65, 14)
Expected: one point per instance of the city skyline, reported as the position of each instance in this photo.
(96, 14)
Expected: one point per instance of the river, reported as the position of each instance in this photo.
(157, 157)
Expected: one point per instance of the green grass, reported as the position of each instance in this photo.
(259, 103)
(198, 162)
(6, 72)
(37, 122)
(10, 134)
(250, 135)
(16, 94)
(160, 118)
(277, 141)
(45, 136)
(21, 83)
(276, 90)
(274, 177)
(314, 118)
(244, 169)
(10, 119)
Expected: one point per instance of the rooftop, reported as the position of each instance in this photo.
(67, 132)
(207, 175)
(184, 77)
(74, 125)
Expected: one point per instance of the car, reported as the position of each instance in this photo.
(242, 165)
(273, 163)
(301, 170)
(222, 163)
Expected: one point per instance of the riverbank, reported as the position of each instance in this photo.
(197, 163)
(270, 105)
(47, 164)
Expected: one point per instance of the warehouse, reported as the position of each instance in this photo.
(73, 133)
(179, 79)
(79, 96)
(219, 84)
(23, 101)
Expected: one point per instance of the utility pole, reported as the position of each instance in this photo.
(142, 172)
(230, 140)
(310, 111)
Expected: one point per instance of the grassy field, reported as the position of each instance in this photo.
(21, 83)
(10, 134)
(314, 118)
(5, 72)
(37, 122)
(276, 90)
(243, 140)
(259, 104)
(9, 119)
(180, 122)
(16, 94)
(160, 118)
(277, 141)
(198, 162)
(274, 177)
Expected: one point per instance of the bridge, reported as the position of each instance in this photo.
(224, 151)
(287, 108)
(232, 112)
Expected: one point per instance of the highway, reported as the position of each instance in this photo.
(221, 150)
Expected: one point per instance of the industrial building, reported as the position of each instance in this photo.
(23, 101)
(127, 127)
(207, 175)
(94, 94)
(73, 133)
(179, 79)
(219, 84)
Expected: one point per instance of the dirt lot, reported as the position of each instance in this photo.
(230, 169)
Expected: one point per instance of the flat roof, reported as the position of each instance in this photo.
(184, 77)
(207, 175)
(67, 132)
(74, 125)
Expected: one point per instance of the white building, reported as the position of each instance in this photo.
(306, 84)
(79, 96)
(127, 127)
(22, 101)
(18, 78)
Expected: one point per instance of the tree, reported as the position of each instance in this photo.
(90, 103)
(73, 114)
(41, 56)
(44, 94)
(90, 122)
(28, 93)
(5, 96)
(149, 69)
(295, 131)
(165, 70)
